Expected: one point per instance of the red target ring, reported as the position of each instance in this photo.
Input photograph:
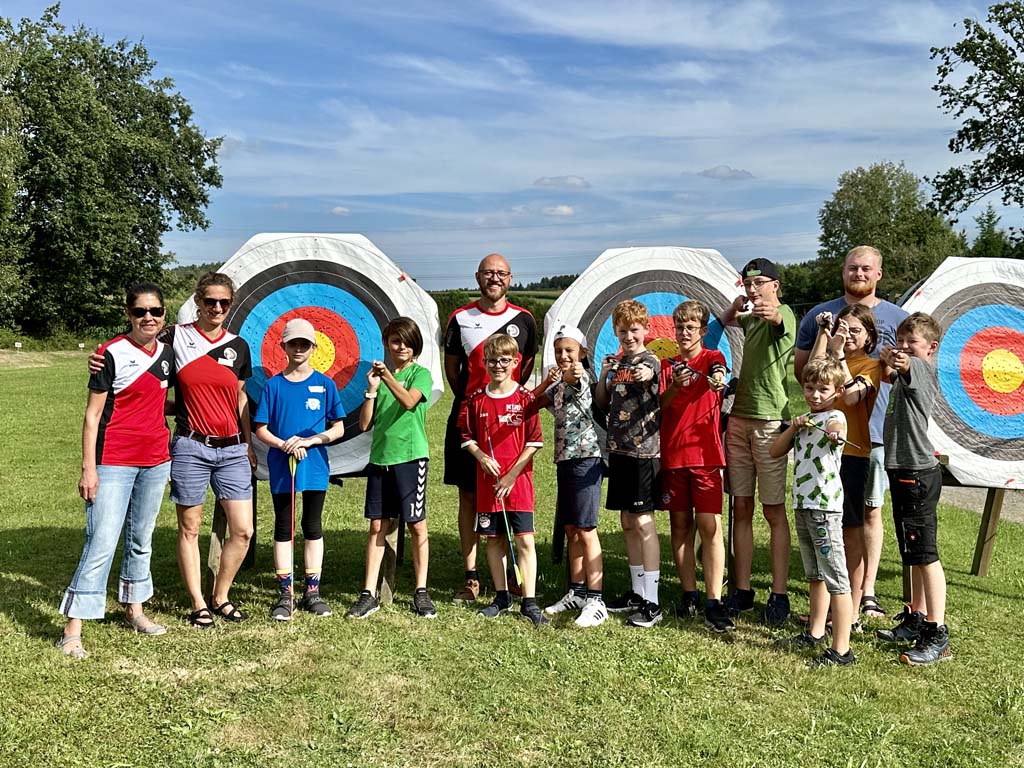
(338, 351)
(991, 365)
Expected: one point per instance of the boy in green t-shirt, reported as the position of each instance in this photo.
(396, 477)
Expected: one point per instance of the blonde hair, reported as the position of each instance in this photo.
(692, 310)
(500, 344)
(865, 250)
(921, 323)
(824, 370)
(629, 312)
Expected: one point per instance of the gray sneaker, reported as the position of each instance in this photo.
(312, 602)
(282, 610)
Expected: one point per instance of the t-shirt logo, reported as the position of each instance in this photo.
(312, 404)
(165, 367)
(512, 330)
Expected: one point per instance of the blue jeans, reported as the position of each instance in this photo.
(128, 498)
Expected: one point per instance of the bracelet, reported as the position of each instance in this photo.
(370, 395)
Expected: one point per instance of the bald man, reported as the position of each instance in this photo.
(468, 328)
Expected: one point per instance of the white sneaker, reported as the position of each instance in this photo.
(568, 603)
(593, 614)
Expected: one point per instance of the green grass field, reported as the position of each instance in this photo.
(459, 690)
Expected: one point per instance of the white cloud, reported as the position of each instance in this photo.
(492, 75)
(562, 182)
(559, 210)
(340, 210)
(726, 173)
(680, 70)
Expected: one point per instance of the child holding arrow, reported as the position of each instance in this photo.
(503, 418)
(299, 414)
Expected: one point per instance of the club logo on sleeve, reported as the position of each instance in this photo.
(165, 367)
(230, 354)
(512, 330)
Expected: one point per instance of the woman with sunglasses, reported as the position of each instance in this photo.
(211, 446)
(125, 466)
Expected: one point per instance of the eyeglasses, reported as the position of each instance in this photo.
(211, 303)
(757, 283)
(141, 312)
(501, 274)
(688, 328)
(500, 362)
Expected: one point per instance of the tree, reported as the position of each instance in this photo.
(990, 242)
(111, 159)
(12, 157)
(989, 99)
(883, 205)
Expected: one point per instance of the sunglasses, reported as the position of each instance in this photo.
(141, 312)
(211, 303)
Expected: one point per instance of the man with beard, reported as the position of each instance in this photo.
(468, 328)
(861, 272)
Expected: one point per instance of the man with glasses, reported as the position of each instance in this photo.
(468, 328)
(861, 272)
(760, 408)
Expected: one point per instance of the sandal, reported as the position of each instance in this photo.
(135, 624)
(230, 612)
(869, 607)
(78, 653)
(201, 619)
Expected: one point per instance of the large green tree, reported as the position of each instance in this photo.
(981, 84)
(111, 160)
(883, 205)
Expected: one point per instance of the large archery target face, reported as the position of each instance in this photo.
(661, 291)
(981, 370)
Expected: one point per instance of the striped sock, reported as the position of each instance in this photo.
(284, 580)
(312, 581)
(580, 589)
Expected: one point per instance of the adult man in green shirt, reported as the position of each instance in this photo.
(760, 407)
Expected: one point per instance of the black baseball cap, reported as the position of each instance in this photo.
(760, 268)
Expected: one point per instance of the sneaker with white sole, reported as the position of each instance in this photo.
(282, 609)
(629, 602)
(366, 605)
(594, 613)
(312, 602)
(648, 615)
(571, 602)
(422, 605)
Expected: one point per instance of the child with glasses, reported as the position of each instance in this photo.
(501, 430)
(299, 415)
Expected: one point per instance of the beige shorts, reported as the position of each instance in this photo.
(746, 457)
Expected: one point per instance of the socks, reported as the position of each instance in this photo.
(503, 598)
(595, 594)
(578, 589)
(284, 580)
(651, 579)
(636, 578)
(312, 581)
(474, 574)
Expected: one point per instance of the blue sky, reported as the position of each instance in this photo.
(547, 131)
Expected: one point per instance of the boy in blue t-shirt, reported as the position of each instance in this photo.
(292, 418)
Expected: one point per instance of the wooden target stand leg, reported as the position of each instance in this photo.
(987, 531)
(394, 553)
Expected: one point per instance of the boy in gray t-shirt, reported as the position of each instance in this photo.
(915, 482)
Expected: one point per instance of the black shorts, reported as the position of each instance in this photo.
(915, 496)
(853, 471)
(397, 491)
(579, 491)
(492, 524)
(632, 483)
(459, 464)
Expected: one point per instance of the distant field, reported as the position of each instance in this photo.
(460, 690)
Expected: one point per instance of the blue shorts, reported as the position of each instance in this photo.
(492, 524)
(397, 491)
(579, 491)
(196, 467)
(878, 481)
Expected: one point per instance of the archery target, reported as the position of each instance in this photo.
(348, 290)
(658, 277)
(978, 418)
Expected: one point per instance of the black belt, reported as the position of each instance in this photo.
(207, 440)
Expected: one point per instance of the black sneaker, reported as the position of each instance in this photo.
(689, 606)
(716, 618)
(802, 641)
(832, 659)
(282, 610)
(495, 609)
(740, 601)
(533, 612)
(422, 605)
(366, 605)
(776, 612)
(629, 602)
(648, 615)
(907, 629)
(932, 646)
(312, 602)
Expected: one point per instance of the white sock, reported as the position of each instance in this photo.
(636, 577)
(651, 579)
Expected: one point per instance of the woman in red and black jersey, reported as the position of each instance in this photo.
(125, 466)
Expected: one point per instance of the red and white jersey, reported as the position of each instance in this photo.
(502, 425)
(690, 424)
(133, 430)
(206, 393)
(468, 329)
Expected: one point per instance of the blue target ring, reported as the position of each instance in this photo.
(328, 297)
(663, 303)
(950, 369)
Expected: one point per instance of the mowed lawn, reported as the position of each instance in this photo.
(460, 690)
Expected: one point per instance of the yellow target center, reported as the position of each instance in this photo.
(663, 348)
(1003, 371)
(323, 356)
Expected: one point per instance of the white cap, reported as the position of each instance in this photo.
(566, 331)
(298, 328)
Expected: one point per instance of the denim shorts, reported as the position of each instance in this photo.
(820, 534)
(196, 467)
(878, 481)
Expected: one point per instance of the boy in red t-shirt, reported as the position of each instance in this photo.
(692, 461)
(501, 429)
